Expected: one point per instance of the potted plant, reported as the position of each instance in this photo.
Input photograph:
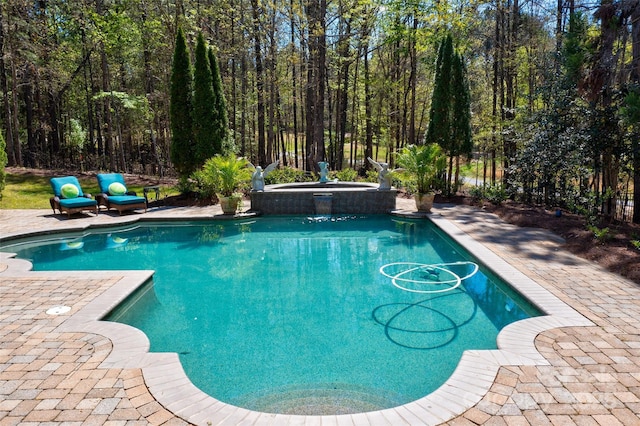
(424, 164)
(226, 176)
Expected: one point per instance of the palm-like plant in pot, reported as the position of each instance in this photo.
(226, 175)
(424, 164)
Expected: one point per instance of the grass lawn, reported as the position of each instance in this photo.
(28, 191)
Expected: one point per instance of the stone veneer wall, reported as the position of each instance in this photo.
(343, 200)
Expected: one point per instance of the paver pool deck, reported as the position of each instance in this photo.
(54, 371)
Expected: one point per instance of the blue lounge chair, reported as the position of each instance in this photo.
(114, 194)
(69, 198)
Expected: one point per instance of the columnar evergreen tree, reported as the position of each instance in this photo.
(204, 116)
(450, 114)
(440, 113)
(220, 118)
(182, 147)
(575, 51)
(461, 140)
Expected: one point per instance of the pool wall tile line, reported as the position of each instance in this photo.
(71, 226)
(165, 378)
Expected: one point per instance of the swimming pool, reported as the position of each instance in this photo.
(367, 344)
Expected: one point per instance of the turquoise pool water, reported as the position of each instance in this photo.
(297, 314)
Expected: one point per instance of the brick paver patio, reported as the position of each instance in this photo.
(52, 376)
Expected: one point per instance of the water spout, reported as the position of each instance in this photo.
(323, 203)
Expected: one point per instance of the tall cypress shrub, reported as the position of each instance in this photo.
(450, 114)
(204, 117)
(182, 147)
(220, 105)
(461, 141)
(439, 130)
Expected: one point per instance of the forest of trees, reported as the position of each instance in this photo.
(554, 86)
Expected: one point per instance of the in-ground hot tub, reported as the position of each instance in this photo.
(324, 198)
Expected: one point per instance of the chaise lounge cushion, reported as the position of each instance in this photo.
(74, 203)
(68, 196)
(114, 193)
(116, 188)
(60, 186)
(69, 190)
(125, 199)
(105, 180)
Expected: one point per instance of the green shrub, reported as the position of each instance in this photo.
(223, 175)
(476, 192)
(200, 183)
(186, 185)
(286, 175)
(636, 244)
(424, 164)
(371, 176)
(409, 185)
(346, 175)
(600, 234)
(494, 193)
(586, 205)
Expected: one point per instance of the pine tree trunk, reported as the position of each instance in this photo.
(602, 91)
(149, 90)
(342, 95)
(17, 148)
(5, 90)
(316, 71)
(294, 88)
(262, 153)
(411, 136)
(244, 89)
(272, 147)
(368, 108)
(27, 90)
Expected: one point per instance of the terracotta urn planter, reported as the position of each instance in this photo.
(226, 175)
(424, 202)
(230, 204)
(423, 164)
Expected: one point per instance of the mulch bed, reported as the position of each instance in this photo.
(615, 253)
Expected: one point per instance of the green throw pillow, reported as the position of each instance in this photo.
(116, 188)
(69, 190)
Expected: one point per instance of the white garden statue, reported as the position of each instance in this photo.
(257, 178)
(384, 174)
